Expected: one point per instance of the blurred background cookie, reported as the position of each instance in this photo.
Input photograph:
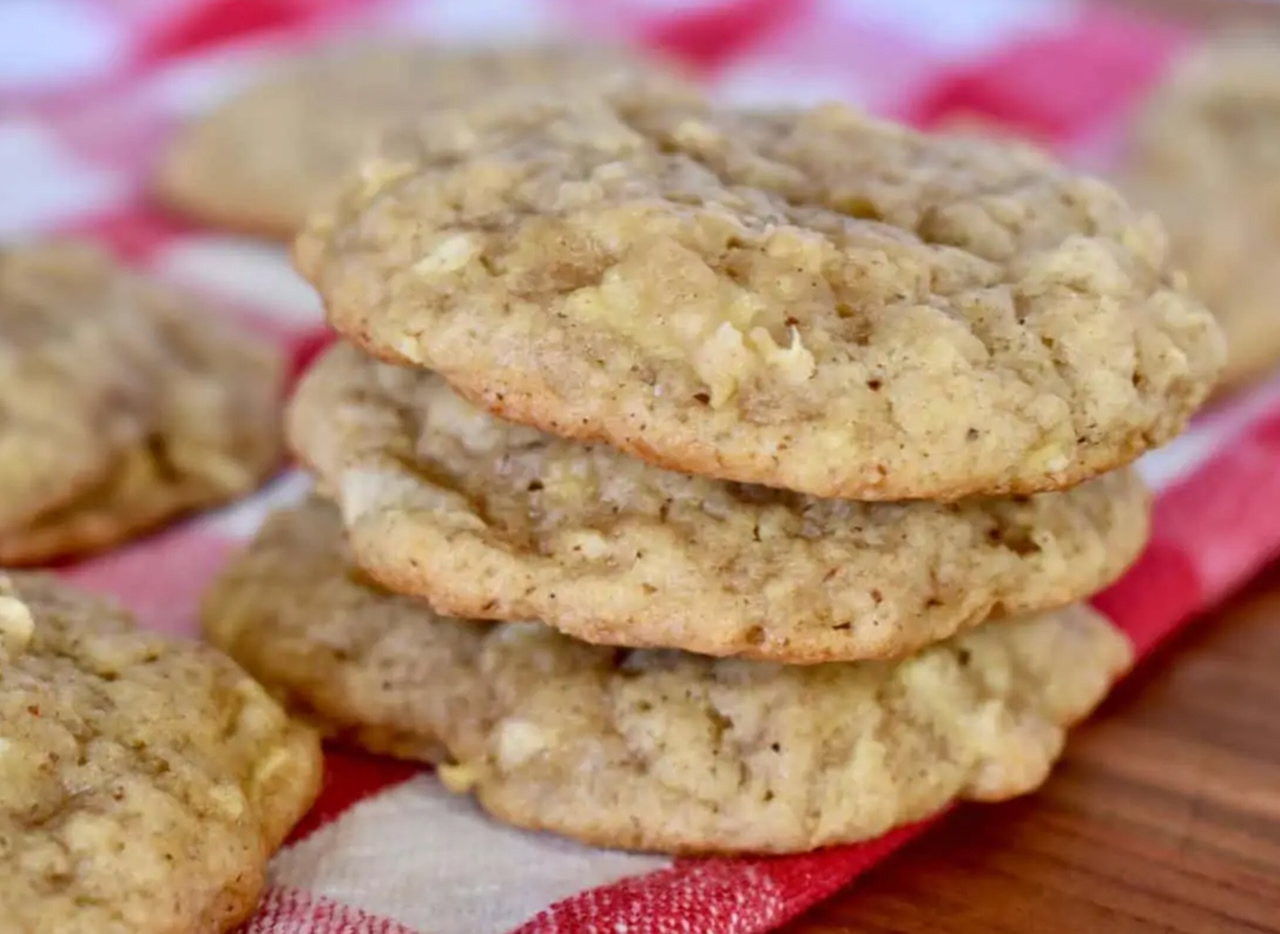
(125, 403)
(1204, 153)
(261, 160)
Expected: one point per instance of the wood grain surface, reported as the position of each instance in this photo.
(1164, 816)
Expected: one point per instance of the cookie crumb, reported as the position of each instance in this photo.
(458, 777)
(16, 624)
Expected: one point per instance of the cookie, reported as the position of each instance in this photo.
(807, 299)
(493, 520)
(144, 782)
(367, 666)
(674, 752)
(259, 161)
(1205, 154)
(125, 404)
(660, 750)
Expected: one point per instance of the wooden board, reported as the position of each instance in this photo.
(1164, 816)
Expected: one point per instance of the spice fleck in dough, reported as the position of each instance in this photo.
(492, 520)
(144, 782)
(807, 299)
(660, 750)
(125, 403)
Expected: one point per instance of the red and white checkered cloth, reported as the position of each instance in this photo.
(89, 87)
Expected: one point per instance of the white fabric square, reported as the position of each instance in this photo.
(41, 184)
(434, 862)
(52, 43)
(243, 270)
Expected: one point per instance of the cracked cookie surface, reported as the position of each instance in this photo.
(260, 160)
(1205, 154)
(489, 519)
(806, 299)
(660, 750)
(144, 782)
(126, 404)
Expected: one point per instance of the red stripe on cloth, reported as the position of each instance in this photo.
(1161, 589)
(1057, 87)
(160, 578)
(1266, 434)
(349, 778)
(719, 896)
(1210, 534)
(289, 911)
(136, 234)
(215, 21)
(708, 37)
(308, 347)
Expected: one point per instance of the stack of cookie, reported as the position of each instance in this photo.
(697, 480)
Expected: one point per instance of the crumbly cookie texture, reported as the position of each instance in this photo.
(259, 161)
(1205, 154)
(668, 751)
(493, 520)
(659, 750)
(125, 404)
(807, 299)
(369, 667)
(144, 782)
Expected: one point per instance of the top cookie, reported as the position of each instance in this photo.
(144, 782)
(1205, 154)
(808, 299)
(257, 162)
(123, 404)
